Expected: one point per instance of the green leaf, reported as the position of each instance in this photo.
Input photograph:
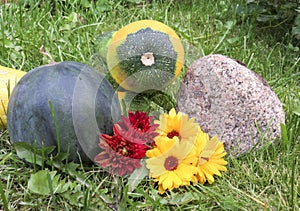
(71, 168)
(86, 3)
(74, 198)
(60, 186)
(60, 157)
(179, 198)
(44, 150)
(103, 5)
(297, 19)
(31, 155)
(137, 176)
(229, 24)
(39, 184)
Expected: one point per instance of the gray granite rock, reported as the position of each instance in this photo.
(231, 101)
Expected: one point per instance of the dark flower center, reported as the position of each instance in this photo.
(123, 150)
(140, 126)
(171, 163)
(173, 133)
(204, 158)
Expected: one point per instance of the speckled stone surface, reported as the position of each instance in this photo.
(231, 101)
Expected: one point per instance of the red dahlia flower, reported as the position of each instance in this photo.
(137, 127)
(117, 156)
(132, 137)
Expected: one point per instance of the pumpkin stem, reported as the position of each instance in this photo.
(147, 59)
(44, 53)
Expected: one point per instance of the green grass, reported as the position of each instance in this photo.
(267, 179)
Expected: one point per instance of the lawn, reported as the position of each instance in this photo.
(266, 179)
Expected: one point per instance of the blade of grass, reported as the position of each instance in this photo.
(284, 136)
(86, 200)
(55, 125)
(293, 181)
(3, 197)
(51, 190)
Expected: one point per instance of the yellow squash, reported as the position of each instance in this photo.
(8, 79)
(145, 55)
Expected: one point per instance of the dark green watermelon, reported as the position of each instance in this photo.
(84, 104)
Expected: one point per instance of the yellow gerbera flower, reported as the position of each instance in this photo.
(183, 153)
(210, 160)
(170, 163)
(174, 124)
